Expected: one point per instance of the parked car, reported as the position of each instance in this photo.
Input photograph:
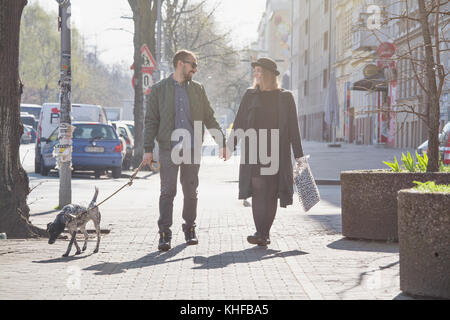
(28, 119)
(26, 135)
(445, 147)
(130, 125)
(33, 109)
(423, 148)
(96, 147)
(123, 144)
(33, 133)
(126, 130)
(49, 121)
(446, 127)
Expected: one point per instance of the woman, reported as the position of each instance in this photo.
(266, 106)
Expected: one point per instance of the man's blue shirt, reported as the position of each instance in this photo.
(183, 118)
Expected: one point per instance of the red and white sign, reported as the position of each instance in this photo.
(386, 50)
(147, 58)
(148, 66)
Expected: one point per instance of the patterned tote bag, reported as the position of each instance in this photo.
(307, 190)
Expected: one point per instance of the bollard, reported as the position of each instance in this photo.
(3, 236)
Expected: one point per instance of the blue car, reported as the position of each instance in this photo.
(96, 147)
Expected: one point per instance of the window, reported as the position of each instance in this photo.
(305, 88)
(306, 26)
(325, 78)
(326, 5)
(306, 57)
(325, 41)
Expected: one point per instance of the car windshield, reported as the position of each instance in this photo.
(447, 127)
(93, 131)
(28, 120)
(131, 129)
(35, 111)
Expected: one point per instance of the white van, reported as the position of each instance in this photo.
(49, 121)
(33, 109)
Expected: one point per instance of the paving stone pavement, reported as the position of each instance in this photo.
(308, 257)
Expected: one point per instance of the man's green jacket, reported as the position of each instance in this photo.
(160, 115)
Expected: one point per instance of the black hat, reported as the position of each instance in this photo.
(268, 64)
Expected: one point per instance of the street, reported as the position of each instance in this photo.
(308, 257)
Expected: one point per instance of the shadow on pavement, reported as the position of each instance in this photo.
(332, 223)
(43, 213)
(152, 259)
(364, 245)
(244, 256)
(64, 259)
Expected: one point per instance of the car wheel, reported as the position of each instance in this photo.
(37, 165)
(125, 165)
(44, 170)
(116, 172)
(98, 174)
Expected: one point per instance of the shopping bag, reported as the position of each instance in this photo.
(307, 190)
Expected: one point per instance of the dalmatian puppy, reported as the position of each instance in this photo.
(74, 217)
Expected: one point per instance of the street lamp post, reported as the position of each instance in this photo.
(64, 148)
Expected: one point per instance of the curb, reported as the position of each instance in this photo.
(328, 182)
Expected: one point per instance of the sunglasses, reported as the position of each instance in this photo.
(193, 64)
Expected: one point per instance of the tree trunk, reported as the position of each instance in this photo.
(14, 184)
(432, 99)
(144, 16)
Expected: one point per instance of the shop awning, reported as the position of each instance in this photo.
(379, 84)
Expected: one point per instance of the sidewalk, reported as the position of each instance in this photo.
(308, 257)
(327, 163)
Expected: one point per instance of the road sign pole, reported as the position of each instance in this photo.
(64, 149)
(158, 44)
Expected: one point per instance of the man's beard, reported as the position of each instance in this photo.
(188, 76)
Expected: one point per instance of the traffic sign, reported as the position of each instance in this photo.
(148, 66)
(147, 58)
(386, 50)
(147, 82)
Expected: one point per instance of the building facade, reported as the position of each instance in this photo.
(369, 54)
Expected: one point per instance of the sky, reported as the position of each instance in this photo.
(100, 22)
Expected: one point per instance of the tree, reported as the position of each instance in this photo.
(144, 17)
(422, 31)
(93, 81)
(39, 55)
(433, 70)
(193, 27)
(14, 183)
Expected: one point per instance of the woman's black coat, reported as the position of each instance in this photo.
(289, 136)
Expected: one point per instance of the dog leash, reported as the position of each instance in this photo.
(129, 183)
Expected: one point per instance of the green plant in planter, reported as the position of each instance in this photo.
(422, 162)
(445, 168)
(411, 164)
(431, 186)
(408, 162)
(393, 165)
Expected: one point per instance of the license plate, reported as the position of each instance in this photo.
(95, 149)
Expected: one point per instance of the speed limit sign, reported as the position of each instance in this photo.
(147, 82)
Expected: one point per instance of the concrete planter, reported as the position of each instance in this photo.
(424, 243)
(369, 201)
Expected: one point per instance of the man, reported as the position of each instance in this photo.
(178, 102)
